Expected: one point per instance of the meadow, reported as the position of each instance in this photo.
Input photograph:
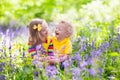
(96, 39)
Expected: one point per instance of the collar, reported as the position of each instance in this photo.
(65, 39)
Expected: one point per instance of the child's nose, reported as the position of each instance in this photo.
(56, 29)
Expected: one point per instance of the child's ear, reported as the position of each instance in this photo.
(67, 35)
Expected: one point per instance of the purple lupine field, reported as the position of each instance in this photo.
(95, 42)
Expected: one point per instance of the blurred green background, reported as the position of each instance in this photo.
(96, 24)
(23, 10)
(96, 16)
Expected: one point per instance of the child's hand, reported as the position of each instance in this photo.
(63, 58)
(51, 59)
(41, 59)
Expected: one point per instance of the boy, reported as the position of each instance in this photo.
(62, 43)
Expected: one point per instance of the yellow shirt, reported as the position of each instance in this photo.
(46, 44)
(62, 47)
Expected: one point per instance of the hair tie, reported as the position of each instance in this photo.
(37, 27)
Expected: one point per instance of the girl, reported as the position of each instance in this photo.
(40, 44)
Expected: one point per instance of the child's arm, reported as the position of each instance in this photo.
(31, 49)
(52, 59)
(63, 58)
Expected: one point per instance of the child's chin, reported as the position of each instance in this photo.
(57, 36)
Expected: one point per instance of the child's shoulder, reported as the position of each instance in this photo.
(53, 37)
(50, 39)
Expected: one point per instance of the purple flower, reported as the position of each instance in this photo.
(93, 44)
(34, 62)
(89, 61)
(41, 66)
(100, 71)
(92, 71)
(66, 63)
(75, 72)
(38, 64)
(2, 77)
(1, 69)
(2, 64)
(82, 48)
(92, 52)
(51, 70)
(97, 53)
(77, 57)
(35, 73)
(7, 32)
(84, 63)
(103, 47)
(40, 48)
(86, 56)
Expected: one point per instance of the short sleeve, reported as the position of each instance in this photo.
(68, 48)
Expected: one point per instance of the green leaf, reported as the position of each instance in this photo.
(114, 54)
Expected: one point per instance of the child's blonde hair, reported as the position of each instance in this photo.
(35, 38)
(68, 27)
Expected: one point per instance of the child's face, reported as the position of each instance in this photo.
(44, 30)
(60, 31)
